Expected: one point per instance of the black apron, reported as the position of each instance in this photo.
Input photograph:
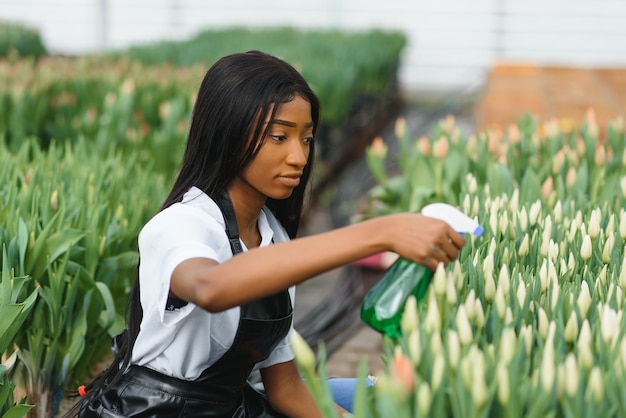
(222, 390)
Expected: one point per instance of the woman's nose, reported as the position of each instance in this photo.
(298, 154)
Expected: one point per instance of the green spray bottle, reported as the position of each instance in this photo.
(383, 305)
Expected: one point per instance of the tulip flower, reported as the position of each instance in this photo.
(409, 320)
(415, 347)
(302, 351)
(480, 314)
(526, 333)
(54, 201)
(441, 148)
(451, 292)
(585, 249)
(454, 349)
(609, 326)
(535, 210)
(402, 371)
(500, 303)
(436, 344)
(595, 385)
(585, 356)
(570, 177)
(424, 399)
(490, 287)
(463, 326)
(571, 375)
(521, 293)
(423, 146)
(504, 387)
(439, 280)
(523, 248)
(400, 127)
(479, 387)
(543, 323)
(439, 366)
(584, 299)
(558, 212)
(571, 328)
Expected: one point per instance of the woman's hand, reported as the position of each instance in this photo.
(427, 241)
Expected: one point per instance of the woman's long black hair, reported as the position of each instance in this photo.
(236, 96)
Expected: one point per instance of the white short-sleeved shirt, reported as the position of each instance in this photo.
(184, 342)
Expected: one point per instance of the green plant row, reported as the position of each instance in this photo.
(69, 219)
(122, 105)
(17, 39)
(526, 323)
(339, 65)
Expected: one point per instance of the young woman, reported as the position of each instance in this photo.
(213, 301)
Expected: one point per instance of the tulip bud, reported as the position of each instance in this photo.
(441, 147)
(521, 294)
(439, 280)
(607, 251)
(585, 249)
(523, 219)
(438, 369)
(451, 294)
(436, 345)
(526, 333)
(585, 356)
(571, 328)
(432, 322)
(535, 210)
(479, 388)
(454, 349)
(547, 188)
(424, 398)
(547, 367)
(595, 386)
(543, 276)
(523, 248)
(463, 326)
(423, 146)
(584, 299)
(409, 321)
(54, 201)
(415, 347)
(508, 341)
(570, 177)
(500, 303)
(302, 351)
(400, 127)
(558, 212)
(600, 156)
(402, 371)
(571, 375)
(593, 228)
(504, 387)
(609, 325)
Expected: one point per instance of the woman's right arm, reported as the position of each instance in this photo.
(264, 271)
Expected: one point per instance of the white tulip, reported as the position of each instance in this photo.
(436, 345)
(571, 375)
(584, 299)
(552, 276)
(480, 314)
(523, 219)
(504, 387)
(463, 326)
(470, 304)
(500, 302)
(571, 262)
(424, 398)
(523, 248)
(514, 202)
(595, 385)
(555, 293)
(451, 293)
(508, 343)
(607, 251)
(558, 212)
(543, 275)
(594, 226)
(547, 367)
(573, 229)
(521, 293)
(415, 347)
(585, 249)
(454, 349)
(535, 210)
(410, 320)
(585, 356)
(432, 322)
(526, 333)
(439, 366)
(439, 280)
(609, 326)
(490, 287)
(504, 280)
(553, 250)
(571, 328)
(479, 387)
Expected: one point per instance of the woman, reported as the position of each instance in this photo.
(219, 263)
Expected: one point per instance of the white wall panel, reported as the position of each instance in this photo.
(451, 43)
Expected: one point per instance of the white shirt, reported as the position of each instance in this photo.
(184, 342)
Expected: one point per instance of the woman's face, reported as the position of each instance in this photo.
(275, 171)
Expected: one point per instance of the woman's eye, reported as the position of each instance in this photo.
(309, 140)
(278, 138)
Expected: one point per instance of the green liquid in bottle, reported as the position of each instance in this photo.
(383, 305)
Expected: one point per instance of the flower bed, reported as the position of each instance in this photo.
(527, 321)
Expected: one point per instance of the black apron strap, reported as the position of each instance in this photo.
(226, 207)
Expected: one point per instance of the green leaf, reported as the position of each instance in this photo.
(18, 411)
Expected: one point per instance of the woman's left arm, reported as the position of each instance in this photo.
(287, 392)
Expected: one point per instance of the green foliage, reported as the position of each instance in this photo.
(18, 39)
(69, 220)
(339, 65)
